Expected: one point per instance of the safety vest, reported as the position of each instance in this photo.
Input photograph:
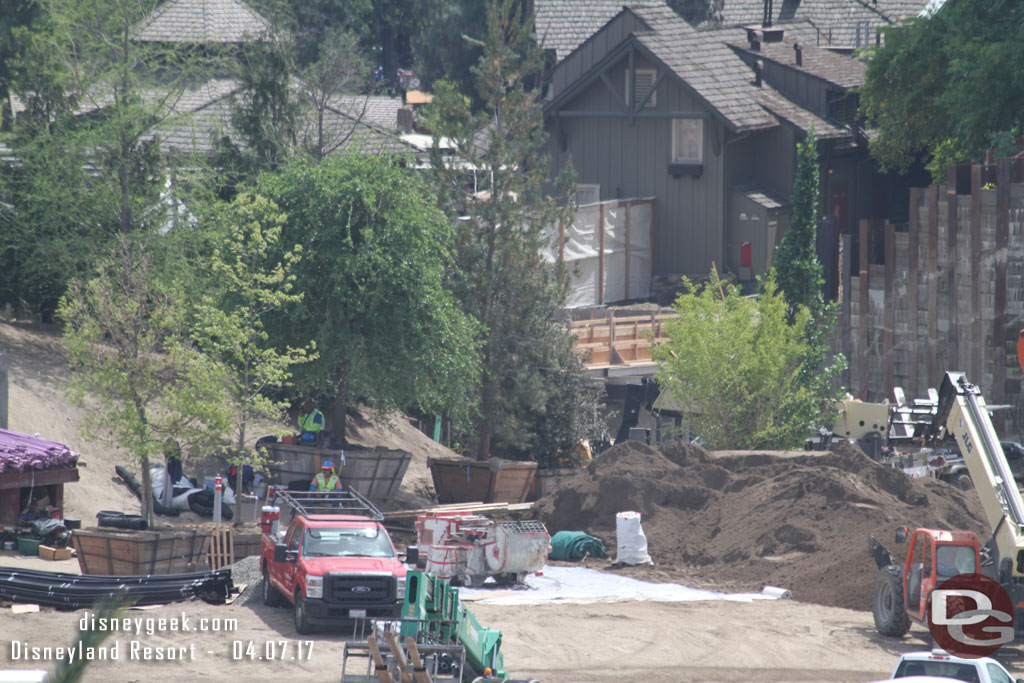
(325, 485)
(312, 421)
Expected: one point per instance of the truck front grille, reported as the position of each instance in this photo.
(361, 589)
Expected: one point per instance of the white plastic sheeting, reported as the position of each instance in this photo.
(581, 251)
(579, 585)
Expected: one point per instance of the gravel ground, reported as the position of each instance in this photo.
(247, 571)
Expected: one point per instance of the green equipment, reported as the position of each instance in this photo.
(436, 640)
(432, 610)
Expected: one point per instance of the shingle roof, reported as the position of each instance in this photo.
(707, 64)
(762, 196)
(837, 21)
(205, 112)
(563, 25)
(201, 21)
(787, 110)
(834, 68)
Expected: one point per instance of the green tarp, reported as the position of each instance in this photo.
(570, 546)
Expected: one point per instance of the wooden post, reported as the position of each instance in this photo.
(5, 366)
(611, 338)
(976, 352)
(932, 276)
(864, 299)
(952, 202)
(600, 255)
(629, 247)
(999, 393)
(914, 242)
(889, 326)
(846, 274)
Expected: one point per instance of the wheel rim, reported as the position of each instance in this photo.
(299, 620)
(884, 603)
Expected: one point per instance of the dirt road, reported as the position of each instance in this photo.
(634, 641)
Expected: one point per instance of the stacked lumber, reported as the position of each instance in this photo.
(474, 508)
(22, 453)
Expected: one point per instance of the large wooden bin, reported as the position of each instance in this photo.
(376, 473)
(490, 481)
(126, 553)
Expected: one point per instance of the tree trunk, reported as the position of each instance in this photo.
(147, 491)
(340, 408)
(487, 409)
(238, 496)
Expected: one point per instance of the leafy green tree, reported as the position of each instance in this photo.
(230, 325)
(373, 254)
(943, 86)
(499, 274)
(797, 270)
(134, 365)
(737, 363)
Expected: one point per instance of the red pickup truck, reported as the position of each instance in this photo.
(334, 563)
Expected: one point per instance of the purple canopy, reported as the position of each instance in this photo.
(21, 453)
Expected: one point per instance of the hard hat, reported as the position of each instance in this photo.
(327, 465)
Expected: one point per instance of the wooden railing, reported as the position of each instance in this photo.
(609, 341)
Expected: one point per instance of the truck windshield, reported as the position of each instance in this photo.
(955, 559)
(346, 542)
(963, 672)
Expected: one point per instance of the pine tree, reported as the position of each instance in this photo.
(500, 276)
(798, 271)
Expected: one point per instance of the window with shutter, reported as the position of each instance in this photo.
(687, 141)
(644, 80)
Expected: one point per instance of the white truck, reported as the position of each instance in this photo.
(940, 665)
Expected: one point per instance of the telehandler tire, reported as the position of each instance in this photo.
(888, 606)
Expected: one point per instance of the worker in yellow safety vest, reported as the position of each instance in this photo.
(311, 423)
(327, 480)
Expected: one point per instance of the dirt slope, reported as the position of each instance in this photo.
(37, 403)
(743, 521)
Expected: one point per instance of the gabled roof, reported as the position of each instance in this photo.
(564, 25)
(837, 69)
(368, 123)
(704, 62)
(201, 21)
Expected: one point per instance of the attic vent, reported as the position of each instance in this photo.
(644, 80)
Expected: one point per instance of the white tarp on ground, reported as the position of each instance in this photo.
(582, 246)
(579, 585)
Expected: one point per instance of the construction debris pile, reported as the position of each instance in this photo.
(796, 520)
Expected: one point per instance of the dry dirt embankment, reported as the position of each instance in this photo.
(745, 520)
(39, 374)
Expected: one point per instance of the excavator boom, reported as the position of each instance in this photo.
(963, 415)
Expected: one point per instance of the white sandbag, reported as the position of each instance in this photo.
(631, 543)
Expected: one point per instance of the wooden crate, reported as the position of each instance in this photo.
(128, 553)
(376, 473)
(490, 481)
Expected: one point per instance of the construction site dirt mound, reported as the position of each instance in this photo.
(744, 520)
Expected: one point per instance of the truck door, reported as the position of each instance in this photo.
(291, 569)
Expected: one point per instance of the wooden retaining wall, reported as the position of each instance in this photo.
(943, 292)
